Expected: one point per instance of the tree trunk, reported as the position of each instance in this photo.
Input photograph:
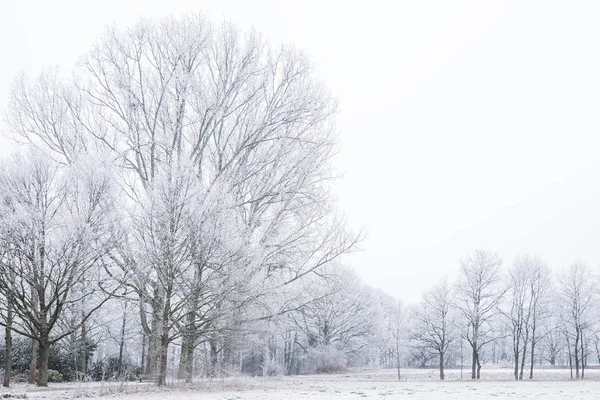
(8, 343)
(164, 348)
(442, 365)
(143, 355)
(186, 359)
(190, 331)
(164, 337)
(122, 341)
(516, 370)
(478, 367)
(188, 340)
(523, 360)
(43, 353)
(532, 351)
(83, 352)
(33, 364)
(576, 354)
(214, 357)
(153, 348)
(474, 361)
(583, 356)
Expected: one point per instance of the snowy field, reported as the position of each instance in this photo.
(416, 384)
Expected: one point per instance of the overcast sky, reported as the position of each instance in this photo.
(463, 125)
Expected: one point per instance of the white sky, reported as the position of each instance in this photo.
(464, 124)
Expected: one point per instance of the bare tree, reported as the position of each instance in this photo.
(434, 324)
(576, 292)
(552, 341)
(61, 227)
(478, 293)
(540, 285)
(519, 315)
(529, 285)
(339, 314)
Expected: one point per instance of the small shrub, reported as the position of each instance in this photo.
(54, 376)
(324, 359)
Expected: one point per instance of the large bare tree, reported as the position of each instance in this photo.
(180, 101)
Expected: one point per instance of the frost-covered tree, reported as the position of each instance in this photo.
(434, 322)
(340, 314)
(576, 285)
(58, 225)
(477, 296)
(528, 289)
(223, 145)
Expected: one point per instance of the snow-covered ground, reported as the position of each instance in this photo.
(415, 384)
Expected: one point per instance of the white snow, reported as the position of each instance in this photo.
(416, 384)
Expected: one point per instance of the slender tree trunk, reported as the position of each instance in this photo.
(533, 341)
(583, 356)
(516, 354)
(143, 355)
(570, 357)
(164, 338)
(478, 367)
(8, 343)
(474, 361)
(398, 357)
(83, 353)
(577, 354)
(122, 341)
(442, 365)
(523, 359)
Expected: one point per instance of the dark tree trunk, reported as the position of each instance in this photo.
(153, 348)
(164, 337)
(43, 353)
(474, 362)
(523, 358)
(516, 369)
(583, 356)
(532, 351)
(576, 354)
(8, 344)
(122, 342)
(441, 365)
(83, 352)
(33, 364)
(143, 352)
(164, 350)
(214, 357)
(190, 331)
(186, 360)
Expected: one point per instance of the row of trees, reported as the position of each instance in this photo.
(522, 312)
